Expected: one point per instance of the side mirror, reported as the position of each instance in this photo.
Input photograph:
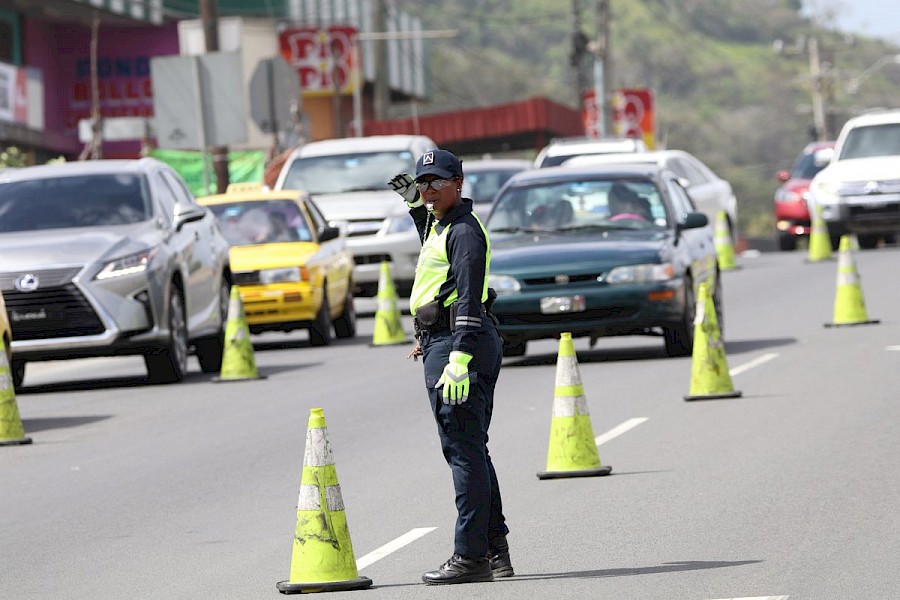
(693, 220)
(187, 213)
(783, 175)
(328, 233)
(823, 157)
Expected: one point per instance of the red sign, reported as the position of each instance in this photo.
(590, 115)
(633, 115)
(322, 57)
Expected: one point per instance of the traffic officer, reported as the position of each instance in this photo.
(462, 353)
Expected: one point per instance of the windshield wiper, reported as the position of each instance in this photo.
(365, 188)
(592, 226)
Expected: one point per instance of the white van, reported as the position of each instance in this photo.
(348, 179)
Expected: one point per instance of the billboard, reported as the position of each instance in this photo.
(633, 115)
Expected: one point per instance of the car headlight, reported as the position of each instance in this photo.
(504, 284)
(825, 192)
(399, 224)
(283, 275)
(127, 265)
(640, 273)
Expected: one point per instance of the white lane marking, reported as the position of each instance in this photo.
(619, 430)
(753, 363)
(379, 553)
(892, 348)
(760, 598)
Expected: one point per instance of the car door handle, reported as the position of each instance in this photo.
(197, 235)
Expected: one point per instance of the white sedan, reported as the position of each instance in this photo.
(709, 192)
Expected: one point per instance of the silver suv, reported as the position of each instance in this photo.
(859, 191)
(111, 258)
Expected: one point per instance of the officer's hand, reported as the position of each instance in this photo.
(405, 185)
(455, 378)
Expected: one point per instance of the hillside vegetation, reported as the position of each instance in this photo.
(721, 90)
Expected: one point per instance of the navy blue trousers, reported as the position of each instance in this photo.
(463, 431)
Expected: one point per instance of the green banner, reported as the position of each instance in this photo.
(243, 167)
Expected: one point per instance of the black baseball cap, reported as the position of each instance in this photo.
(442, 163)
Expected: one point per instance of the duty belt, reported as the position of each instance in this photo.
(446, 320)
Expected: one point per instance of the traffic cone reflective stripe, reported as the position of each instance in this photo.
(238, 361)
(819, 240)
(709, 368)
(388, 327)
(849, 305)
(11, 431)
(572, 450)
(322, 558)
(723, 243)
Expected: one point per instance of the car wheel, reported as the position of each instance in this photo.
(320, 332)
(170, 363)
(868, 241)
(17, 368)
(211, 349)
(345, 325)
(680, 339)
(514, 348)
(786, 242)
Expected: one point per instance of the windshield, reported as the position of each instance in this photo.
(250, 222)
(99, 200)
(873, 140)
(352, 172)
(482, 186)
(805, 167)
(579, 205)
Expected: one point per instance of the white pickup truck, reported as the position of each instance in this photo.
(859, 191)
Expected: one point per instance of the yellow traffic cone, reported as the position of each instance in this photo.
(723, 243)
(572, 451)
(849, 305)
(819, 240)
(238, 362)
(11, 431)
(388, 328)
(709, 370)
(322, 559)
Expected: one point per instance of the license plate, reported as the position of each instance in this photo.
(552, 305)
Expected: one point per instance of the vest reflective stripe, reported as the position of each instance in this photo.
(434, 265)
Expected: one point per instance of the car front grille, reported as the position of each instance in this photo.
(246, 278)
(51, 312)
(46, 277)
(590, 277)
(371, 259)
(596, 314)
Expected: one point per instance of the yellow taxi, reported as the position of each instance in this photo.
(294, 271)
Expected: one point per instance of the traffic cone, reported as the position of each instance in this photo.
(11, 431)
(849, 305)
(709, 370)
(722, 241)
(819, 240)
(572, 451)
(322, 559)
(388, 328)
(238, 363)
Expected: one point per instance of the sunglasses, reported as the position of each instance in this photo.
(436, 184)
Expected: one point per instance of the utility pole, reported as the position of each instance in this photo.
(209, 17)
(576, 57)
(94, 149)
(818, 84)
(381, 89)
(603, 68)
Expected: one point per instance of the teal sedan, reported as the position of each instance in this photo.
(599, 251)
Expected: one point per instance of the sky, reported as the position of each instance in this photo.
(872, 18)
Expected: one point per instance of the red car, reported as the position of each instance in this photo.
(791, 210)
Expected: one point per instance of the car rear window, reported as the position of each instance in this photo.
(352, 172)
(100, 200)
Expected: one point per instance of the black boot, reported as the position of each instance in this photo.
(498, 554)
(460, 569)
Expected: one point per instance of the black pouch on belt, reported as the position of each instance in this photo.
(432, 317)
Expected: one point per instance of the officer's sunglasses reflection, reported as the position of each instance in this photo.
(436, 184)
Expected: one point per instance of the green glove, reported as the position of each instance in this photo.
(455, 378)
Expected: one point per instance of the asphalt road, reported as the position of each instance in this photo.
(189, 491)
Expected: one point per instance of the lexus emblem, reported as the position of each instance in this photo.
(27, 282)
(561, 279)
(872, 187)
